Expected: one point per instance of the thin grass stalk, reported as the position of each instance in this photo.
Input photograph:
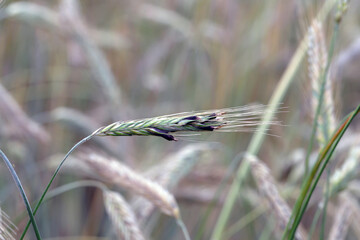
(12, 112)
(52, 179)
(245, 220)
(308, 181)
(205, 218)
(324, 158)
(22, 192)
(115, 205)
(306, 185)
(78, 122)
(259, 136)
(183, 228)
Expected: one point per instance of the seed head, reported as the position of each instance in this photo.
(230, 119)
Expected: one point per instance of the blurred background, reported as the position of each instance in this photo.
(68, 67)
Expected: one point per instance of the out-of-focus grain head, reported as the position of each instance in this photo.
(122, 217)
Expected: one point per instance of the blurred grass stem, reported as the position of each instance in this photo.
(312, 175)
(22, 192)
(52, 179)
(258, 138)
(326, 154)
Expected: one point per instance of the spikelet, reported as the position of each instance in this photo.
(267, 187)
(112, 171)
(169, 173)
(230, 119)
(17, 120)
(7, 228)
(342, 220)
(317, 60)
(122, 216)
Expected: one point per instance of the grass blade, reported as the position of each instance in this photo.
(22, 192)
(324, 158)
(300, 205)
(52, 179)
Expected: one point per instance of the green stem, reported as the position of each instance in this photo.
(308, 181)
(22, 192)
(247, 219)
(327, 152)
(52, 179)
(222, 186)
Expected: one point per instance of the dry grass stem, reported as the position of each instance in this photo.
(268, 187)
(17, 122)
(317, 60)
(122, 216)
(112, 171)
(72, 21)
(69, 20)
(230, 119)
